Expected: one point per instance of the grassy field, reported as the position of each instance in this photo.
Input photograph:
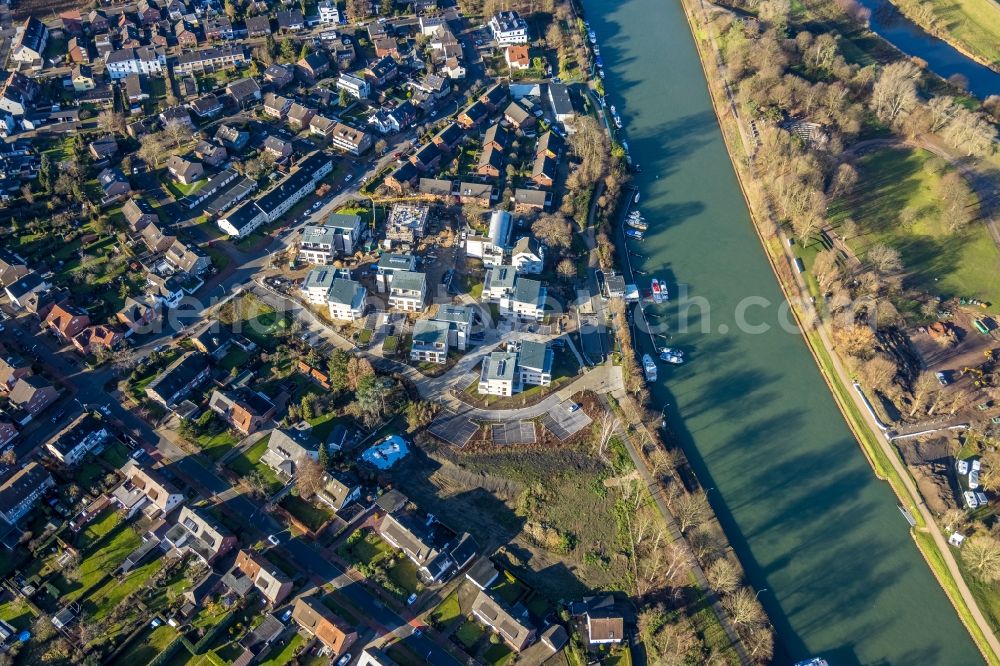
(313, 516)
(248, 461)
(100, 559)
(145, 648)
(217, 445)
(960, 263)
(973, 25)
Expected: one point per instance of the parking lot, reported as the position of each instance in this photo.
(513, 432)
(564, 423)
(454, 429)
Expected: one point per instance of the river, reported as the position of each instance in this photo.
(941, 58)
(818, 534)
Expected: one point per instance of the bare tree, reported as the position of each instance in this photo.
(151, 149)
(878, 372)
(723, 576)
(111, 121)
(566, 270)
(690, 510)
(954, 519)
(883, 258)
(981, 554)
(925, 384)
(895, 91)
(177, 131)
(553, 230)
(604, 430)
(309, 477)
(743, 608)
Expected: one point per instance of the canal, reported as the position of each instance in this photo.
(816, 531)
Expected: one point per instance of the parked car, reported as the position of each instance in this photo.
(941, 378)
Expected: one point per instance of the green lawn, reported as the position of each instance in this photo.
(104, 599)
(448, 610)
(116, 454)
(218, 445)
(974, 24)
(960, 263)
(99, 560)
(236, 358)
(282, 654)
(498, 654)
(97, 528)
(147, 646)
(313, 516)
(16, 613)
(249, 460)
(469, 633)
(179, 189)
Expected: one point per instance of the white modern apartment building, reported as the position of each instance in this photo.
(347, 300)
(328, 13)
(142, 60)
(337, 237)
(356, 86)
(509, 28)
(430, 341)
(317, 284)
(407, 291)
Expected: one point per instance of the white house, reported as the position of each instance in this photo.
(347, 300)
(29, 41)
(499, 283)
(317, 285)
(459, 320)
(528, 256)
(141, 60)
(388, 265)
(328, 13)
(527, 301)
(499, 374)
(337, 237)
(407, 291)
(430, 341)
(355, 86)
(534, 362)
(75, 442)
(490, 248)
(509, 28)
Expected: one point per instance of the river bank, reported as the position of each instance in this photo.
(883, 459)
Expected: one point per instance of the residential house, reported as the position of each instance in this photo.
(211, 154)
(321, 125)
(72, 22)
(276, 106)
(206, 106)
(496, 137)
(178, 379)
(459, 319)
(528, 256)
(290, 20)
(477, 194)
(386, 46)
(495, 96)
(299, 116)
(518, 117)
(97, 21)
(338, 492)
(516, 56)
(78, 51)
(473, 115)
(20, 493)
(142, 60)
(231, 138)
(148, 12)
(243, 409)
(407, 222)
(278, 75)
(258, 26)
(213, 340)
(498, 375)
(137, 315)
(534, 362)
(605, 626)
(66, 321)
(272, 583)
(355, 86)
(318, 621)
(513, 625)
(155, 238)
(17, 94)
(550, 144)
(508, 28)
(185, 170)
(430, 341)
(328, 12)
(543, 172)
(347, 300)
(188, 258)
(135, 90)
(218, 27)
(212, 59)
(82, 77)
(12, 368)
(312, 67)
(427, 157)
(490, 161)
(176, 114)
(19, 290)
(343, 52)
(420, 541)
(75, 441)
(287, 448)
(31, 395)
(13, 267)
(166, 291)
(139, 213)
(402, 178)
(246, 93)
(144, 487)
(483, 573)
(526, 201)
(382, 71)
(94, 338)
(527, 301)
(560, 102)
(350, 140)
(114, 184)
(316, 285)
(338, 237)
(29, 41)
(408, 291)
(103, 148)
(197, 534)
(185, 35)
(8, 432)
(279, 148)
(389, 264)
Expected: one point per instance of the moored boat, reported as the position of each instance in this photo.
(671, 355)
(649, 367)
(636, 200)
(634, 233)
(637, 223)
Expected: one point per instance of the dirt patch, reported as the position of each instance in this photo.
(934, 483)
(968, 351)
(923, 451)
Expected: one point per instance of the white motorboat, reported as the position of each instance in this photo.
(649, 367)
(670, 355)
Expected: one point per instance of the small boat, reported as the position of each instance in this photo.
(649, 367)
(670, 355)
(637, 223)
(597, 50)
(618, 122)
(600, 72)
(636, 200)
(657, 291)
(614, 111)
(815, 661)
(625, 148)
(634, 233)
(597, 59)
(592, 36)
